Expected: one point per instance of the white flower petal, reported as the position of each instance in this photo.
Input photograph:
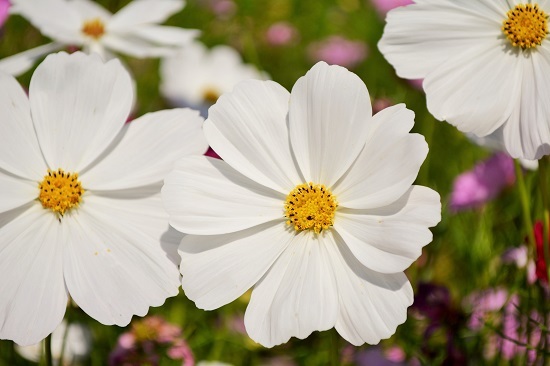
(56, 19)
(388, 239)
(135, 46)
(218, 269)
(19, 150)
(140, 12)
(388, 164)
(78, 105)
(112, 268)
(33, 291)
(296, 296)
(205, 196)
(475, 90)
(421, 36)
(146, 150)
(329, 117)
(371, 304)
(527, 130)
(89, 10)
(21, 62)
(164, 35)
(16, 192)
(125, 203)
(248, 129)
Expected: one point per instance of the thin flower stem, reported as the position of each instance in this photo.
(543, 186)
(48, 348)
(334, 349)
(525, 206)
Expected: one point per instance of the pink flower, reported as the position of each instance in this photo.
(484, 182)
(483, 303)
(4, 8)
(383, 6)
(337, 50)
(281, 34)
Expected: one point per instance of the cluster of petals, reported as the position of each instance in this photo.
(134, 30)
(113, 254)
(474, 77)
(349, 276)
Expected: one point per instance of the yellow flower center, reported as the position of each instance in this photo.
(310, 206)
(93, 28)
(60, 191)
(526, 26)
(210, 95)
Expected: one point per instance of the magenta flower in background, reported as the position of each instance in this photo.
(484, 303)
(337, 50)
(383, 6)
(483, 183)
(148, 340)
(4, 8)
(281, 34)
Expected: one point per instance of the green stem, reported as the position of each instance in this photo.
(525, 206)
(334, 349)
(48, 348)
(543, 186)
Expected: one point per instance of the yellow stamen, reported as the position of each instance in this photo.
(210, 95)
(526, 26)
(310, 206)
(60, 191)
(93, 28)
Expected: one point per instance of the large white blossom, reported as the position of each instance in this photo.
(80, 208)
(134, 30)
(485, 64)
(312, 207)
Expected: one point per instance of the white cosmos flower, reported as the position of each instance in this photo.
(80, 207)
(485, 64)
(134, 30)
(195, 77)
(312, 206)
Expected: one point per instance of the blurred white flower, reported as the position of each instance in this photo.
(196, 76)
(75, 342)
(312, 206)
(80, 207)
(485, 64)
(134, 30)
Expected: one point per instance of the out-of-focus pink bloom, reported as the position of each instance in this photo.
(375, 356)
(383, 6)
(380, 104)
(147, 340)
(281, 34)
(4, 8)
(223, 8)
(338, 50)
(395, 354)
(484, 182)
(484, 302)
(416, 83)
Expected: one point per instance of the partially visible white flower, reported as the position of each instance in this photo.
(196, 76)
(313, 206)
(75, 343)
(80, 210)
(485, 65)
(134, 30)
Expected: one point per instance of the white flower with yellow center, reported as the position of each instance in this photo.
(134, 30)
(196, 76)
(485, 64)
(80, 208)
(312, 206)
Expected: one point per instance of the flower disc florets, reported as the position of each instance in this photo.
(526, 26)
(60, 191)
(310, 206)
(94, 28)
